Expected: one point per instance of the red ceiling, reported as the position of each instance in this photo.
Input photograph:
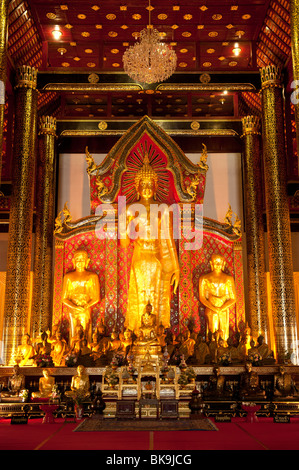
(96, 33)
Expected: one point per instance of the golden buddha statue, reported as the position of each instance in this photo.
(45, 386)
(59, 349)
(81, 291)
(80, 384)
(187, 345)
(217, 294)
(127, 341)
(16, 383)
(44, 347)
(147, 340)
(155, 266)
(25, 352)
(202, 352)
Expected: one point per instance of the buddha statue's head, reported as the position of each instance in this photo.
(146, 181)
(80, 260)
(217, 263)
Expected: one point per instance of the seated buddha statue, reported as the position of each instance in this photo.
(284, 385)
(127, 341)
(26, 352)
(217, 387)
(16, 383)
(147, 330)
(45, 386)
(80, 384)
(222, 353)
(147, 339)
(186, 347)
(202, 352)
(249, 385)
(44, 347)
(77, 339)
(59, 349)
(114, 346)
(99, 343)
(265, 351)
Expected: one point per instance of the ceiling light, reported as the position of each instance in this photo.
(236, 49)
(56, 33)
(149, 60)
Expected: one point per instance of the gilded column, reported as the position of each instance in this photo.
(3, 67)
(294, 21)
(41, 309)
(17, 295)
(277, 211)
(256, 267)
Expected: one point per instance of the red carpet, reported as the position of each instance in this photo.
(237, 435)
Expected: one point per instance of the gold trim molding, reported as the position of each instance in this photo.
(206, 87)
(186, 132)
(92, 87)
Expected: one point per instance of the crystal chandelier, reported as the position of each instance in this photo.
(149, 60)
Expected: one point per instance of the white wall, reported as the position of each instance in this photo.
(223, 184)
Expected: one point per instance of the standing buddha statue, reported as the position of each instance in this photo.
(155, 266)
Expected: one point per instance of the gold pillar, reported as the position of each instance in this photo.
(294, 21)
(3, 68)
(257, 286)
(278, 218)
(41, 309)
(17, 295)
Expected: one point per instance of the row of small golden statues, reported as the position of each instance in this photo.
(54, 350)
(218, 387)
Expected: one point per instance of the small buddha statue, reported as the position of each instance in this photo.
(249, 384)
(265, 351)
(232, 344)
(45, 385)
(77, 339)
(80, 384)
(222, 353)
(161, 336)
(114, 346)
(284, 385)
(217, 387)
(59, 349)
(147, 339)
(202, 351)
(253, 354)
(147, 330)
(187, 345)
(171, 343)
(99, 344)
(213, 344)
(43, 348)
(26, 352)
(16, 383)
(127, 342)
